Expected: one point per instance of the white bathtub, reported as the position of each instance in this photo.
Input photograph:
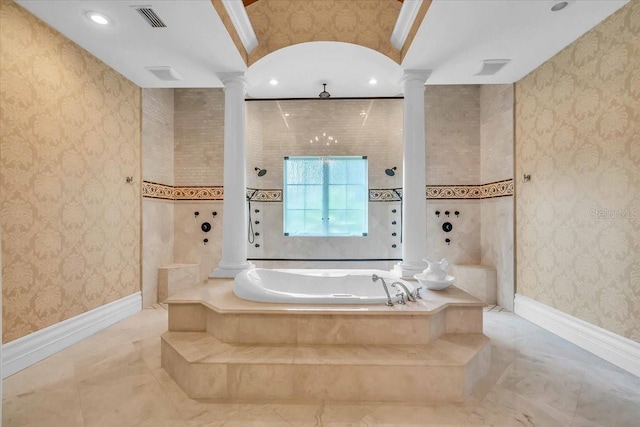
(315, 286)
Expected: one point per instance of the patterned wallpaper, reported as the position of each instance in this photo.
(282, 23)
(70, 134)
(578, 219)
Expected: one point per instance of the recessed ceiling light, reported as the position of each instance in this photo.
(373, 81)
(98, 18)
(273, 82)
(559, 6)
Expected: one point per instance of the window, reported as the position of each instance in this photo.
(325, 196)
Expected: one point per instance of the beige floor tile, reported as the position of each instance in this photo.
(56, 404)
(114, 379)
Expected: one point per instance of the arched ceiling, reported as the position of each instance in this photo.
(301, 69)
(281, 23)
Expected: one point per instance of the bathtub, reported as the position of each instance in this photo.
(315, 286)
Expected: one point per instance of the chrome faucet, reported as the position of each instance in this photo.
(410, 296)
(375, 278)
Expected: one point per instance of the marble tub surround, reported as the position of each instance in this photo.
(214, 309)
(222, 347)
(535, 378)
(173, 278)
(478, 280)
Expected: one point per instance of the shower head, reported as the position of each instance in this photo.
(261, 172)
(391, 171)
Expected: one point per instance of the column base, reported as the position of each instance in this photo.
(405, 270)
(230, 271)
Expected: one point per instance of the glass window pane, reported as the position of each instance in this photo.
(331, 187)
(312, 171)
(313, 222)
(356, 195)
(356, 221)
(356, 172)
(337, 197)
(294, 197)
(336, 222)
(337, 171)
(313, 197)
(294, 221)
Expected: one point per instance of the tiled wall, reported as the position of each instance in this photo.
(367, 127)
(496, 133)
(577, 134)
(157, 135)
(157, 166)
(372, 128)
(190, 247)
(199, 137)
(70, 135)
(496, 159)
(452, 126)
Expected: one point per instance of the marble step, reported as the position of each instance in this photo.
(445, 370)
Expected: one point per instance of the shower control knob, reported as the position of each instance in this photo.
(446, 213)
(393, 211)
(257, 234)
(206, 227)
(196, 213)
(437, 213)
(448, 241)
(256, 222)
(393, 222)
(257, 245)
(205, 241)
(257, 211)
(394, 234)
(214, 213)
(457, 213)
(394, 246)
(447, 227)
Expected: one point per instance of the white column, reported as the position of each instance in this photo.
(414, 206)
(234, 210)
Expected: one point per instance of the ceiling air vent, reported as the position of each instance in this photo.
(492, 66)
(150, 16)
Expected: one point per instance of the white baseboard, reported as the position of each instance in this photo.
(613, 348)
(32, 348)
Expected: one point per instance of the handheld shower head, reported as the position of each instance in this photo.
(375, 277)
(391, 171)
(261, 172)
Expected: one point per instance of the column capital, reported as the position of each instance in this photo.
(414, 77)
(233, 77)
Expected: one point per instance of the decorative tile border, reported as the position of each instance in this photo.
(154, 190)
(473, 192)
(433, 192)
(385, 195)
(498, 189)
(198, 193)
(257, 195)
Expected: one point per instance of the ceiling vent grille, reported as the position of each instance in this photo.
(150, 16)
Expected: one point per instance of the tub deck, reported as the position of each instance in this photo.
(221, 347)
(218, 295)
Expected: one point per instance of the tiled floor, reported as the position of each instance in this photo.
(114, 379)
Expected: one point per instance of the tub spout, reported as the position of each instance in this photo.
(375, 278)
(410, 296)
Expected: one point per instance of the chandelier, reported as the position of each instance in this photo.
(324, 139)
